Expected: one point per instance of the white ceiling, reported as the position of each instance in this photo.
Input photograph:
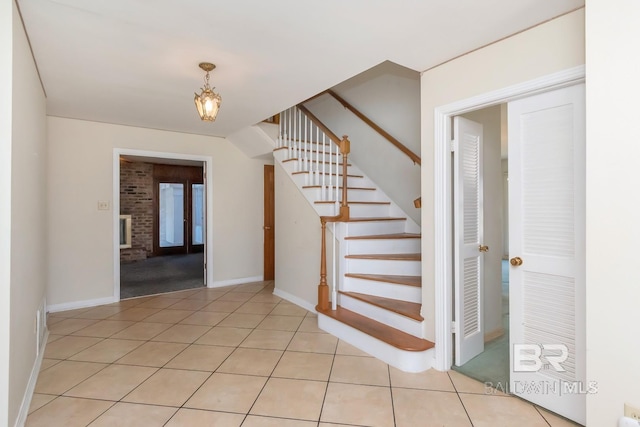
(135, 62)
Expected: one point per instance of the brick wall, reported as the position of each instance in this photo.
(136, 199)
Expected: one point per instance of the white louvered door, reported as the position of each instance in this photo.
(547, 233)
(467, 159)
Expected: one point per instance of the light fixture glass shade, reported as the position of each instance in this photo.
(208, 104)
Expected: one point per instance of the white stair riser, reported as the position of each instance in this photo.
(298, 166)
(389, 318)
(383, 246)
(309, 145)
(316, 179)
(407, 361)
(355, 210)
(383, 266)
(383, 289)
(368, 228)
(354, 195)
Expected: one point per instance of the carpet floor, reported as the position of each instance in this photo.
(161, 274)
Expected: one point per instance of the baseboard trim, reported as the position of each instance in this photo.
(494, 334)
(80, 304)
(31, 386)
(241, 280)
(294, 299)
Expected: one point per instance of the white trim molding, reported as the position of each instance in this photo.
(31, 386)
(238, 281)
(54, 308)
(207, 160)
(295, 300)
(442, 195)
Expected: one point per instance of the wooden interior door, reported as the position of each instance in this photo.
(269, 223)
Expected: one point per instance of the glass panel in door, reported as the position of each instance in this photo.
(171, 215)
(197, 214)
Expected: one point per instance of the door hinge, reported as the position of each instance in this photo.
(454, 327)
(454, 145)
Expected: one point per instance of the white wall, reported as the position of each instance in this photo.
(28, 216)
(80, 174)
(390, 96)
(6, 72)
(492, 211)
(298, 240)
(553, 46)
(613, 233)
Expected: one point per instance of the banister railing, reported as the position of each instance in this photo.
(413, 156)
(304, 135)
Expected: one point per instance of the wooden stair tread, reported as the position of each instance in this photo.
(387, 334)
(340, 188)
(403, 308)
(382, 218)
(395, 257)
(354, 203)
(398, 280)
(385, 236)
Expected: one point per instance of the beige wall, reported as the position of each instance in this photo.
(81, 173)
(390, 96)
(6, 71)
(28, 217)
(613, 233)
(553, 46)
(492, 214)
(298, 241)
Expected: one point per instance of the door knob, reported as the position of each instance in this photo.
(267, 228)
(516, 261)
(483, 248)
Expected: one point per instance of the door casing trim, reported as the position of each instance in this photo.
(207, 160)
(443, 215)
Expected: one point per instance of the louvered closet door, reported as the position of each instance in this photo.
(547, 234)
(467, 158)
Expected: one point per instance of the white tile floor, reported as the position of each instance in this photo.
(240, 356)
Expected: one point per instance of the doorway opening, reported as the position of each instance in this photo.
(491, 366)
(165, 204)
(546, 238)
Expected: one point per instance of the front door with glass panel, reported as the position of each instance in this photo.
(179, 216)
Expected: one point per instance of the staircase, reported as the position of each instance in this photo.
(376, 300)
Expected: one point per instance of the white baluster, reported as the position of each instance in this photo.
(324, 172)
(334, 280)
(317, 178)
(335, 181)
(305, 164)
(337, 204)
(289, 143)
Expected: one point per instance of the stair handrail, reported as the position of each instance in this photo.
(413, 156)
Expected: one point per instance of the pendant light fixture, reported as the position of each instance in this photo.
(208, 102)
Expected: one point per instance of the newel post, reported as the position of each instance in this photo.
(323, 289)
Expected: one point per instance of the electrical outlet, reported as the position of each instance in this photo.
(103, 205)
(631, 412)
